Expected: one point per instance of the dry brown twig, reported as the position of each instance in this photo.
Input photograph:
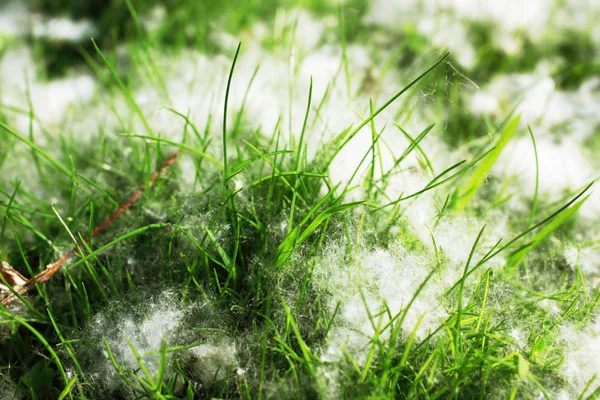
(21, 285)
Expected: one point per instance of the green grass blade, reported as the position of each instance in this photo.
(519, 255)
(481, 172)
(39, 150)
(141, 363)
(295, 237)
(299, 158)
(67, 390)
(177, 144)
(225, 106)
(383, 107)
(45, 343)
(125, 91)
(537, 177)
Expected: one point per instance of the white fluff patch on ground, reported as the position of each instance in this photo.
(378, 283)
(64, 30)
(362, 287)
(445, 22)
(18, 20)
(585, 258)
(377, 277)
(279, 92)
(562, 165)
(214, 361)
(581, 356)
(54, 103)
(14, 19)
(147, 325)
(562, 123)
(20, 82)
(160, 323)
(541, 104)
(51, 101)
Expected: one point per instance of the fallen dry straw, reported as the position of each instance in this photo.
(20, 285)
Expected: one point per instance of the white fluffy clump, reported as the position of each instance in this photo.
(64, 30)
(154, 19)
(541, 104)
(278, 93)
(447, 32)
(51, 101)
(590, 210)
(562, 165)
(562, 122)
(581, 361)
(484, 103)
(16, 67)
(162, 319)
(17, 20)
(587, 259)
(196, 82)
(579, 15)
(14, 19)
(445, 22)
(454, 234)
(214, 361)
(161, 322)
(374, 277)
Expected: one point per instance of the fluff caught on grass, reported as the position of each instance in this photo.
(146, 337)
(331, 226)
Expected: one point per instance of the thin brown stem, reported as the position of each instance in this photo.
(52, 268)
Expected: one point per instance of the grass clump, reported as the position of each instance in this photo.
(297, 217)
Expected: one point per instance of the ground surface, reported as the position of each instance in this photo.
(385, 199)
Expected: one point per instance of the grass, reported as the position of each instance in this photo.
(248, 269)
